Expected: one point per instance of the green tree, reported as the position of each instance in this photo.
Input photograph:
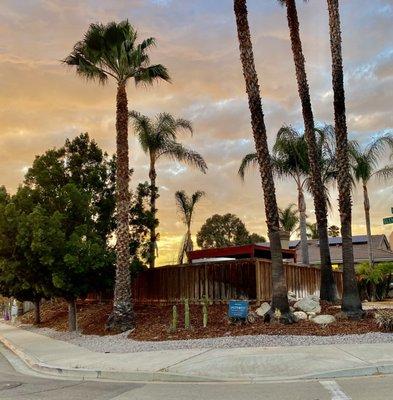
(334, 231)
(68, 229)
(279, 296)
(186, 205)
(224, 230)
(111, 51)
(158, 138)
(351, 303)
(365, 166)
(289, 219)
(328, 290)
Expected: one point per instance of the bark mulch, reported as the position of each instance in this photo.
(153, 322)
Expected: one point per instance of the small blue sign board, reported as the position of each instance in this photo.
(238, 309)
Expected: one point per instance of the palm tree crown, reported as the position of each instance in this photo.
(186, 206)
(288, 218)
(158, 138)
(111, 51)
(365, 162)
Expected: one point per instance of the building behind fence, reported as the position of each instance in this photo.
(221, 281)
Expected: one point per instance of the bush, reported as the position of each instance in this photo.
(385, 320)
(374, 280)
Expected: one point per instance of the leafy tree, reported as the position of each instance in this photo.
(158, 138)
(72, 219)
(365, 166)
(186, 205)
(222, 231)
(289, 218)
(279, 293)
(111, 51)
(376, 277)
(334, 231)
(328, 290)
(255, 238)
(351, 303)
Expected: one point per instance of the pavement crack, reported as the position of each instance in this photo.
(165, 369)
(352, 355)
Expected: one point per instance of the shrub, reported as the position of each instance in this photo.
(385, 319)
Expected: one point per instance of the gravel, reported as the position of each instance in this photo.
(121, 344)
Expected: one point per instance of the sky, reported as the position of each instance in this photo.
(42, 102)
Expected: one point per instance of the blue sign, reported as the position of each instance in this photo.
(238, 309)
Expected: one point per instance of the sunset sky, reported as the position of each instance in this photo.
(42, 102)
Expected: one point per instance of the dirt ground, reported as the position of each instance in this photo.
(153, 322)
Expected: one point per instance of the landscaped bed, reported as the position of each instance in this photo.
(153, 322)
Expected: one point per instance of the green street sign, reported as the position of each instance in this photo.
(388, 220)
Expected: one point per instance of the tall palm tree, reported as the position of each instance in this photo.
(290, 159)
(289, 219)
(279, 298)
(186, 205)
(365, 165)
(157, 138)
(111, 51)
(328, 290)
(351, 303)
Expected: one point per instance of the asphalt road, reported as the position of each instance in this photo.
(20, 384)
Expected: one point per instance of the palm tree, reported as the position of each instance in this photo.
(111, 51)
(313, 232)
(328, 289)
(290, 159)
(158, 139)
(365, 165)
(279, 298)
(351, 303)
(186, 206)
(289, 219)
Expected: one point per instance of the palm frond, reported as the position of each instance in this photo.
(384, 173)
(248, 160)
(151, 74)
(177, 152)
(142, 128)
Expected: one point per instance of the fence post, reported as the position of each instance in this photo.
(258, 281)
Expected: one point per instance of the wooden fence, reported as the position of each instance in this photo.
(220, 281)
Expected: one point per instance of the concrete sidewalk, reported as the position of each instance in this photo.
(55, 357)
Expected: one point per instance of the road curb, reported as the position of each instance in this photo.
(162, 376)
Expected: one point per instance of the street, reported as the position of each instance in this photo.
(22, 384)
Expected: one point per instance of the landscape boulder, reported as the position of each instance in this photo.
(300, 315)
(263, 309)
(323, 319)
(308, 304)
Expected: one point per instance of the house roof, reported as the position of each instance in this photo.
(380, 246)
(245, 251)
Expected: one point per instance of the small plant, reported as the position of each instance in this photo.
(186, 314)
(205, 311)
(175, 319)
(385, 319)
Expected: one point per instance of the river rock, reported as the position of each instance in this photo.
(323, 319)
(263, 309)
(300, 315)
(308, 304)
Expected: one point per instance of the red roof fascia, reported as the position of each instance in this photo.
(248, 250)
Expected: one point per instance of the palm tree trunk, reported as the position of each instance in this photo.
(303, 226)
(122, 317)
(279, 298)
(328, 287)
(366, 203)
(351, 303)
(153, 210)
